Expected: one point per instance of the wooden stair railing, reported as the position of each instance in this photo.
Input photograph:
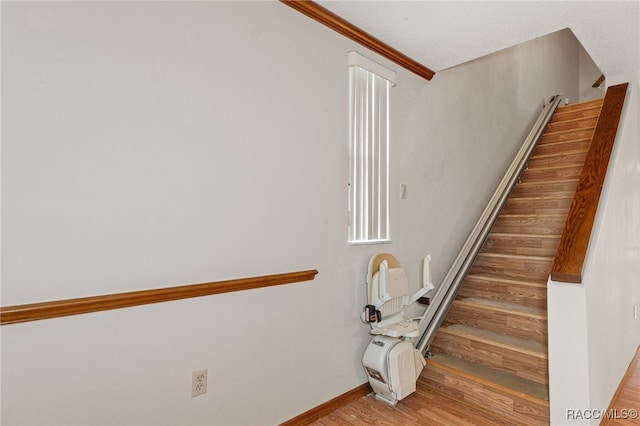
(572, 252)
(61, 308)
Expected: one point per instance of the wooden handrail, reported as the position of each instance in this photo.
(598, 82)
(61, 308)
(572, 251)
(336, 23)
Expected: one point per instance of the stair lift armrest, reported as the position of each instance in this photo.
(383, 293)
(384, 277)
(427, 284)
(417, 295)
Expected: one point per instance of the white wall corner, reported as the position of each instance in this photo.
(568, 354)
(618, 78)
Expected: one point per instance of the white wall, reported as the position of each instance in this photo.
(568, 351)
(592, 331)
(588, 74)
(612, 274)
(150, 144)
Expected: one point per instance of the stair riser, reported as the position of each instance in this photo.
(566, 136)
(504, 359)
(522, 326)
(530, 225)
(558, 160)
(537, 206)
(560, 117)
(513, 267)
(579, 106)
(522, 245)
(560, 173)
(549, 189)
(525, 295)
(579, 123)
(520, 411)
(560, 147)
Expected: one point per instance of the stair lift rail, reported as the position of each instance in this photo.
(448, 289)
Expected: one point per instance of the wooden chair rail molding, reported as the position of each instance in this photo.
(336, 23)
(574, 242)
(61, 308)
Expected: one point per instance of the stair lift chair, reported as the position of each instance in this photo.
(391, 361)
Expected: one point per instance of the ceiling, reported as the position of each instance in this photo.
(443, 34)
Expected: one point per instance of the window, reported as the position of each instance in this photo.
(369, 86)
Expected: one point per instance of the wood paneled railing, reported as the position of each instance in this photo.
(572, 252)
(336, 23)
(62, 308)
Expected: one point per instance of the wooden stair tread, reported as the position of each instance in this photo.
(502, 306)
(536, 156)
(501, 316)
(560, 188)
(525, 291)
(564, 142)
(564, 135)
(578, 130)
(578, 120)
(593, 103)
(549, 182)
(568, 116)
(530, 257)
(542, 197)
(557, 186)
(540, 174)
(492, 377)
(522, 243)
(561, 146)
(507, 280)
(532, 215)
(548, 222)
(492, 338)
(576, 159)
(518, 265)
(487, 396)
(520, 235)
(540, 167)
(576, 123)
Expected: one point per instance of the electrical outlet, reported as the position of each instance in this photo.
(198, 382)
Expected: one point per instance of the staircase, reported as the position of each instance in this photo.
(491, 351)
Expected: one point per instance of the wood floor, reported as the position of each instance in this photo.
(423, 407)
(426, 407)
(625, 405)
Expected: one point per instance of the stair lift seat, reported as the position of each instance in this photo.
(391, 361)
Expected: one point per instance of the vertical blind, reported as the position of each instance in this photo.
(369, 156)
